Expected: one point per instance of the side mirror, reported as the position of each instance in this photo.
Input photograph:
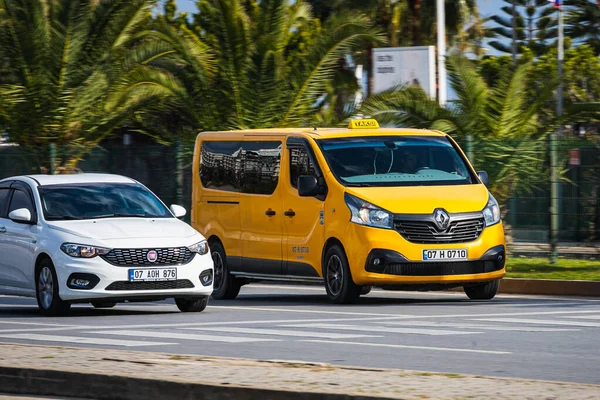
(484, 177)
(21, 215)
(308, 186)
(178, 211)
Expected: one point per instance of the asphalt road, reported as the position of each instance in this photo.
(551, 338)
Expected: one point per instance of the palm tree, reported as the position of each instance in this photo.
(507, 124)
(583, 22)
(73, 71)
(273, 62)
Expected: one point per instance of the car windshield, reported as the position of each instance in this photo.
(396, 161)
(100, 200)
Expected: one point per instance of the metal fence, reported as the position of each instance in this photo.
(167, 171)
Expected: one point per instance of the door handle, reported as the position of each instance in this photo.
(270, 212)
(2, 229)
(289, 213)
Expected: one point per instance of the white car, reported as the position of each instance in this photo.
(100, 239)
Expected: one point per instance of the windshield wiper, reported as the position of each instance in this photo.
(119, 215)
(62, 218)
(358, 184)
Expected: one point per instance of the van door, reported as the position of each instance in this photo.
(261, 206)
(303, 216)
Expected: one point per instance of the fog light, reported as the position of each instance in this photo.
(206, 277)
(82, 281)
(376, 261)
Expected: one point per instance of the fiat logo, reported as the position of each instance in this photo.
(152, 256)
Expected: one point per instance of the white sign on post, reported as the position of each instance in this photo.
(395, 66)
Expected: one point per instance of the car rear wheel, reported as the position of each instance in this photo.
(48, 300)
(338, 280)
(482, 291)
(196, 304)
(225, 285)
(103, 304)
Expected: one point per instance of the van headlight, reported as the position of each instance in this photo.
(200, 248)
(83, 251)
(491, 212)
(365, 213)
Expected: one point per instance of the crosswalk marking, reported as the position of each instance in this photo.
(586, 317)
(83, 340)
(541, 322)
(279, 332)
(401, 346)
(184, 336)
(478, 326)
(375, 329)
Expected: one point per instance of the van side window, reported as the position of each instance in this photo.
(300, 164)
(260, 162)
(220, 165)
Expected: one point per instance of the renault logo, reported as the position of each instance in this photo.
(441, 218)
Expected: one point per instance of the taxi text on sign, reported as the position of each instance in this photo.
(363, 123)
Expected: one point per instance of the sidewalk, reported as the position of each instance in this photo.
(162, 376)
(568, 250)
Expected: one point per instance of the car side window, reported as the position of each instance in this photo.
(20, 200)
(4, 195)
(300, 164)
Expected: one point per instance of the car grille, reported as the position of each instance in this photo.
(165, 285)
(441, 268)
(167, 256)
(424, 232)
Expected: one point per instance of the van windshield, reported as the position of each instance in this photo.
(396, 161)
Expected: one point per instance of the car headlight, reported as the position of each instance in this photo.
(365, 213)
(83, 251)
(491, 212)
(200, 248)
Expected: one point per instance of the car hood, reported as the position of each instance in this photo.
(425, 199)
(126, 228)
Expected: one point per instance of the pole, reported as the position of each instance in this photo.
(514, 31)
(441, 56)
(52, 169)
(179, 173)
(555, 188)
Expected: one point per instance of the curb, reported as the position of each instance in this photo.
(47, 382)
(549, 287)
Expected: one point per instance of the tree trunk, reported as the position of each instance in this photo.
(415, 21)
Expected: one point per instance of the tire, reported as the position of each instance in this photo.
(46, 290)
(365, 290)
(340, 287)
(482, 291)
(103, 304)
(225, 285)
(195, 304)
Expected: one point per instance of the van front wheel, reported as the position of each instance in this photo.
(338, 280)
(225, 285)
(482, 291)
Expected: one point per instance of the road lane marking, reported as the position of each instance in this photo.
(184, 336)
(279, 332)
(300, 310)
(479, 326)
(11, 322)
(542, 322)
(586, 317)
(26, 330)
(432, 332)
(83, 340)
(401, 346)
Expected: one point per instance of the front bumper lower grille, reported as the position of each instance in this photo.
(441, 268)
(164, 285)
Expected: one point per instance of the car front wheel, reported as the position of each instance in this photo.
(482, 291)
(196, 304)
(48, 300)
(338, 280)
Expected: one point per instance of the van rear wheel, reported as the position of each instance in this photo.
(338, 280)
(225, 285)
(482, 291)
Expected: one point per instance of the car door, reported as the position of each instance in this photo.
(261, 206)
(5, 193)
(303, 216)
(20, 239)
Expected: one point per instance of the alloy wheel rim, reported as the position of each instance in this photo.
(46, 287)
(335, 275)
(218, 267)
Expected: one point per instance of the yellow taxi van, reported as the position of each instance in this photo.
(353, 208)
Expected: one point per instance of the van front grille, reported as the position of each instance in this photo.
(426, 232)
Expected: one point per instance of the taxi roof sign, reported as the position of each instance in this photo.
(363, 124)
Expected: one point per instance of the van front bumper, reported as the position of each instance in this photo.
(385, 258)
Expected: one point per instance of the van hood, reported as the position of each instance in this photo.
(126, 228)
(425, 199)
